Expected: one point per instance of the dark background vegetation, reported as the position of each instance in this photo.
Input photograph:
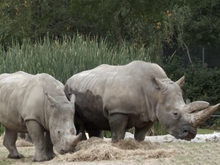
(180, 34)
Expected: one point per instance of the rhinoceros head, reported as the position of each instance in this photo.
(179, 119)
(61, 124)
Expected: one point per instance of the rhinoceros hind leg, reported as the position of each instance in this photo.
(140, 133)
(118, 124)
(93, 131)
(9, 142)
(28, 138)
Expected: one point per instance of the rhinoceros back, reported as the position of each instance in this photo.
(115, 78)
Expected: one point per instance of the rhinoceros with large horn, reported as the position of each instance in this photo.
(38, 105)
(134, 95)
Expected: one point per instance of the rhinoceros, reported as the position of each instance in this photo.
(38, 105)
(135, 95)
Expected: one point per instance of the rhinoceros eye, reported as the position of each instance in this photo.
(58, 134)
(176, 114)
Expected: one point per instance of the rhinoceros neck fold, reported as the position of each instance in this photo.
(150, 106)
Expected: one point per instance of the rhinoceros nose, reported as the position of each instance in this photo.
(62, 151)
(188, 133)
(185, 131)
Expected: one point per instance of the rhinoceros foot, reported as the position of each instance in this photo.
(43, 155)
(42, 158)
(15, 156)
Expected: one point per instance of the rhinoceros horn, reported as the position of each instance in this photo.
(76, 139)
(200, 111)
(196, 106)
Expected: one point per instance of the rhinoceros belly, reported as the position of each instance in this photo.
(14, 124)
(10, 118)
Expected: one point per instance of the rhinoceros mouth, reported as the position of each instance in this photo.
(189, 136)
(186, 133)
(62, 152)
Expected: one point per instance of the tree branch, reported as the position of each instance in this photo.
(187, 51)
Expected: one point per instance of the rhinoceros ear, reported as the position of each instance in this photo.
(181, 81)
(52, 101)
(157, 83)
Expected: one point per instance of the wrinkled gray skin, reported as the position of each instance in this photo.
(134, 95)
(37, 104)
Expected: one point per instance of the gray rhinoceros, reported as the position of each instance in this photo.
(134, 95)
(38, 105)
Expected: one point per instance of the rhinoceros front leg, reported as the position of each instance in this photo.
(140, 132)
(49, 146)
(40, 142)
(118, 124)
(9, 142)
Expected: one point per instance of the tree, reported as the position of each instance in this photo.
(141, 22)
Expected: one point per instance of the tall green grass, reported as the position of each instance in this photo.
(63, 58)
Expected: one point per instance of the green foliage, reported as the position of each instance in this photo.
(204, 26)
(2, 129)
(139, 22)
(206, 131)
(200, 83)
(107, 134)
(215, 123)
(174, 26)
(112, 19)
(157, 129)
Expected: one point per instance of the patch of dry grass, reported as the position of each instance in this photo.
(197, 153)
(96, 149)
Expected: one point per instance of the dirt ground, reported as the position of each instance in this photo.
(127, 152)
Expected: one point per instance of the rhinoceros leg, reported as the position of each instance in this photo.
(93, 131)
(9, 142)
(49, 146)
(40, 141)
(80, 127)
(25, 136)
(140, 132)
(28, 138)
(118, 124)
